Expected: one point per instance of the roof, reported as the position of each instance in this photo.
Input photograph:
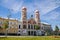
(45, 23)
(7, 18)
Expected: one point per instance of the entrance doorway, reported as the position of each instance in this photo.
(28, 32)
(34, 33)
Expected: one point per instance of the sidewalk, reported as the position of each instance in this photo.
(18, 36)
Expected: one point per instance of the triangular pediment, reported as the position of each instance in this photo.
(31, 21)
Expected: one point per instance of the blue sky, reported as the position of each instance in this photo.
(49, 9)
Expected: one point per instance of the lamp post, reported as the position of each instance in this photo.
(8, 16)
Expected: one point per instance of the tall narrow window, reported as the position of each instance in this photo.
(0, 22)
(34, 26)
(0, 26)
(24, 26)
(19, 26)
(31, 26)
(28, 26)
(28, 32)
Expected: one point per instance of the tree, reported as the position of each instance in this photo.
(36, 27)
(5, 26)
(0, 27)
(56, 30)
(48, 31)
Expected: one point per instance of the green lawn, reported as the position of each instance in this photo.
(30, 38)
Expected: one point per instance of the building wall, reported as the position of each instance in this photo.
(13, 26)
(46, 27)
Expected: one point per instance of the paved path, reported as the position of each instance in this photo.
(18, 36)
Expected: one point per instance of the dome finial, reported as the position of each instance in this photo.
(36, 11)
(31, 15)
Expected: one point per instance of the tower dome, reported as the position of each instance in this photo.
(23, 8)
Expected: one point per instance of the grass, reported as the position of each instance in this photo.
(30, 38)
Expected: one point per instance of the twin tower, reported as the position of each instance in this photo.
(24, 15)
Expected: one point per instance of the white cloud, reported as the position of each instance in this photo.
(46, 5)
(13, 5)
(43, 5)
(53, 16)
(16, 6)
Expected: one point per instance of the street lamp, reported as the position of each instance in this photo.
(9, 15)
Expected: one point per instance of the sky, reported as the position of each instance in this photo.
(49, 9)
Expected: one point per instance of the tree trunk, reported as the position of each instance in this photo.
(6, 33)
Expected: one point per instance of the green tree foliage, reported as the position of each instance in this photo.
(36, 27)
(56, 30)
(5, 24)
(0, 27)
(49, 32)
